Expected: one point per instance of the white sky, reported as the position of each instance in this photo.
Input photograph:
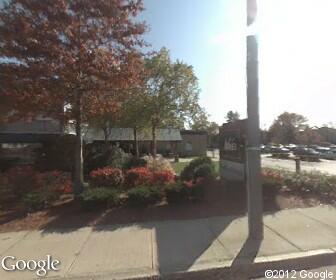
(297, 53)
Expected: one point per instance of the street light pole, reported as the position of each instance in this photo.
(254, 185)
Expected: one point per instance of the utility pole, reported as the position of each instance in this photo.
(254, 185)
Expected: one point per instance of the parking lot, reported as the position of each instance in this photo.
(328, 166)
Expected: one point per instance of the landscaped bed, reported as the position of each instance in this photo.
(168, 201)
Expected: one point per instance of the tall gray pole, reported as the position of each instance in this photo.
(254, 185)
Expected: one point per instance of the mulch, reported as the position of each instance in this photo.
(221, 199)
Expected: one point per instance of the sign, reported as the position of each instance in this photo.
(232, 138)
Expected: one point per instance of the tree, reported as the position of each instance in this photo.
(60, 54)
(232, 116)
(173, 92)
(135, 115)
(200, 120)
(286, 128)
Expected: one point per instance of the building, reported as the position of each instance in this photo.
(36, 131)
(167, 139)
(328, 133)
(19, 140)
(194, 143)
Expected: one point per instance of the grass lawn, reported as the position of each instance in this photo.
(179, 166)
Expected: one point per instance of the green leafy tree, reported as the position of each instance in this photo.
(135, 114)
(286, 128)
(173, 92)
(232, 116)
(200, 120)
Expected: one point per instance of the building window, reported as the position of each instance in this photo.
(188, 146)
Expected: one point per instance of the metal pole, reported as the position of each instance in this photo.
(254, 185)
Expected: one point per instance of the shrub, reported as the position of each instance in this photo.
(144, 195)
(106, 177)
(99, 156)
(195, 189)
(311, 181)
(158, 164)
(163, 177)
(176, 193)
(99, 197)
(6, 193)
(138, 176)
(56, 181)
(133, 162)
(21, 180)
(204, 170)
(272, 178)
(188, 173)
(34, 201)
(317, 182)
(56, 154)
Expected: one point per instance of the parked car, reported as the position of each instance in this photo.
(291, 147)
(280, 152)
(331, 154)
(308, 154)
(322, 150)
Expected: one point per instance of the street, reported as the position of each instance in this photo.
(325, 272)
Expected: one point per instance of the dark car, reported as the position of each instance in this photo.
(308, 154)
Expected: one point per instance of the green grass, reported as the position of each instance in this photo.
(179, 166)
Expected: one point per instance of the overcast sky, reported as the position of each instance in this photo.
(297, 53)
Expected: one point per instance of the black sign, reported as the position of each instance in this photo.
(232, 141)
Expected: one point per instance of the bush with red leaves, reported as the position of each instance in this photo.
(163, 177)
(21, 179)
(24, 179)
(138, 176)
(106, 177)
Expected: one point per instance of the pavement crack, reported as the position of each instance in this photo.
(316, 220)
(16, 242)
(76, 254)
(284, 238)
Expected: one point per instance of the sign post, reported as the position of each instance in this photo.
(232, 138)
(254, 185)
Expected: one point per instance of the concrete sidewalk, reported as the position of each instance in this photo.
(171, 247)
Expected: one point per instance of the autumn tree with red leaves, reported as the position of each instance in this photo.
(80, 54)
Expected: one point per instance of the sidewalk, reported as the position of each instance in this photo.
(167, 248)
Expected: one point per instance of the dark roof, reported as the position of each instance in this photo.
(46, 126)
(193, 132)
(25, 137)
(126, 134)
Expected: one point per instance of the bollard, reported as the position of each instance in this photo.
(298, 164)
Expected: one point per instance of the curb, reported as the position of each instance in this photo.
(241, 269)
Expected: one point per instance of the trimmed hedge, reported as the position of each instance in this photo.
(96, 198)
(144, 195)
(176, 193)
(188, 173)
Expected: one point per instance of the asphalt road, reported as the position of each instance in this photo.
(327, 166)
(325, 273)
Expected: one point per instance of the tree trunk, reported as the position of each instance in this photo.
(136, 143)
(106, 143)
(154, 141)
(79, 176)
